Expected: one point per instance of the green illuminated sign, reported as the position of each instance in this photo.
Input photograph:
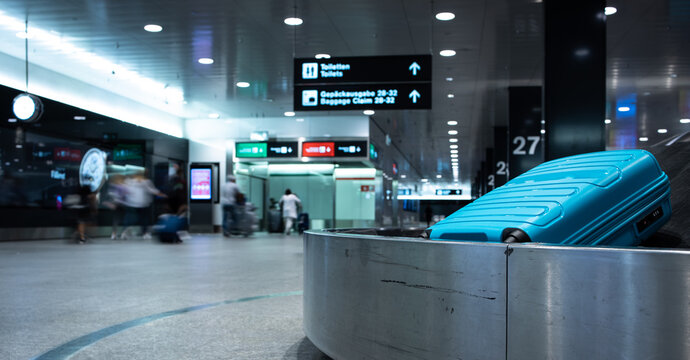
(250, 150)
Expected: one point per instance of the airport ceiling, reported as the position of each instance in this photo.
(498, 43)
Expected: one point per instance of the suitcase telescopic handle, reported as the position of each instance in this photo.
(514, 235)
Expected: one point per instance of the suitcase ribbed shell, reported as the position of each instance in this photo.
(596, 198)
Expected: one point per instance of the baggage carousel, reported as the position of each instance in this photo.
(391, 294)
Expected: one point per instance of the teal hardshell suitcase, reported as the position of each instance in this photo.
(617, 198)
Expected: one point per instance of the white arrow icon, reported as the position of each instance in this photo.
(414, 95)
(414, 68)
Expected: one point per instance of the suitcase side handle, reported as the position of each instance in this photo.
(514, 235)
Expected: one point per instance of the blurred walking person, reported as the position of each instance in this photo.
(140, 191)
(228, 198)
(117, 194)
(87, 210)
(289, 202)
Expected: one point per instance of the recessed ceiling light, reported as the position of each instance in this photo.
(623, 108)
(153, 28)
(322, 56)
(454, 151)
(644, 138)
(243, 84)
(403, 176)
(293, 21)
(289, 113)
(453, 146)
(439, 176)
(447, 53)
(452, 122)
(610, 10)
(450, 96)
(452, 132)
(445, 16)
(543, 131)
(607, 121)
(453, 155)
(449, 79)
(425, 180)
(80, 118)
(205, 61)
(213, 116)
(369, 112)
(685, 121)
(453, 140)
(299, 120)
(662, 131)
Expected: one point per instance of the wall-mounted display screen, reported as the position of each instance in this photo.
(351, 148)
(318, 149)
(200, 184)
(250, 150)
(282, 149)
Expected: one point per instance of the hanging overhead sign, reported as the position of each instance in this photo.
(250, 150)
(358, 83)
(282, 149)
(271, 149)
(448, 192)
(350, 149)
(404, 68)
(318, 149)
(363, 96)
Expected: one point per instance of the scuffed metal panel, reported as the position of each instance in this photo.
(371, 297)
(598, 303)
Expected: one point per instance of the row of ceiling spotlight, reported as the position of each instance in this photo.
(660, 131)
(454, 150)
(446, 16)
(155, 28)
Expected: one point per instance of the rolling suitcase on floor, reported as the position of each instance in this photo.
(302, 222)
(605, 198)
(275, 221)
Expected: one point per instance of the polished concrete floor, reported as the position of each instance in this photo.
(207, 298)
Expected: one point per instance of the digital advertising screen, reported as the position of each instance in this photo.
(200, 184)
(318, 149)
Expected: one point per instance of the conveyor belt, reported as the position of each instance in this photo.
(376, 297)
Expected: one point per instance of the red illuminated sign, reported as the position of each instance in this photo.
(315, 149)
(67, 154)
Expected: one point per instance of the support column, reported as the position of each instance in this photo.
(574, 77)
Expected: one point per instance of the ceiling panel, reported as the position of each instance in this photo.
(498, 44)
